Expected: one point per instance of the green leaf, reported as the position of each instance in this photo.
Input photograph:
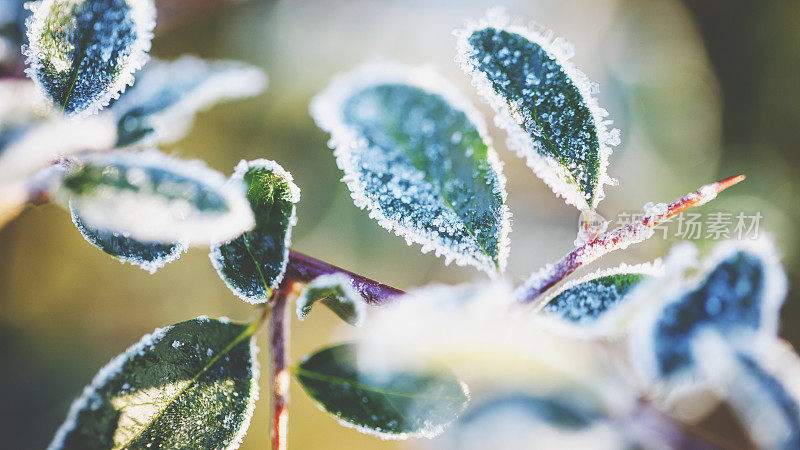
(160, 107)
(416, 155)
(151, 197)
(586, 300)
(150, 256)
(253, 264)
(544, 103)
(395, 405)
(82, 53)
(189, 385)
(337, 293)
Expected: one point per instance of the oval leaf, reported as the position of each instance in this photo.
(417, 157)
(150, 256)
(82, 53)
(395, 405)
(151, 197)
(189, 385)
(589, 298)
(160, 107)
(253, 264)
(337, 293)
(544, 103)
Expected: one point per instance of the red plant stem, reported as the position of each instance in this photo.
(302, 268)
(279, 320)
(616, 239)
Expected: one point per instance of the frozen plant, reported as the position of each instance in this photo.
(610, 360)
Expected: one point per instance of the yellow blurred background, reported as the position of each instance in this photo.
(700, 89)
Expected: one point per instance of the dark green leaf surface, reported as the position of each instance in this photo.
(393, 405)
(190, 385)
(545, 105)
(151, 197)
(589, 300)
(150, 256)
(336, 292)
(252, 265)
(161, 105)
(415, 155)
(82, 53)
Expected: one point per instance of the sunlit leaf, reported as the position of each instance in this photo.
(189, 385)
(83, 53)
(589, 298)
(337, 293)
(152, 197)
(395, 405)
(160, 107)
(544, 103)
(417, 156)
(150, 256)
(253, 264)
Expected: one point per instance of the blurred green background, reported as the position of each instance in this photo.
(700, 89)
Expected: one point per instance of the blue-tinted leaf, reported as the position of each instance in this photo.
(544, 103)
(189, 385)
(337, 293)
(253, 264)
(160, 107)
(151, 197)
(12, 30)
(82, 53)
(589, 298)
(738, 298)
(395, 405)
(150, 256)
(417, 157)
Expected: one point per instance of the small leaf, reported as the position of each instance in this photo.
(253, 264)
(160, 107)
(417, 157)
(586, 300)
(150, 256)
(189, 385)
(738, 297)
(82, 54)
(337, 293)
(544, 103)
(155, 198)
(396, 405)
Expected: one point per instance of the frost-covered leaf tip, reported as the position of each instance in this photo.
(587, 299)
(393, 405)
(151, 197)
(737, 297)
(190, 385)
(83, 53)
(160, 107)
(253, 264)
(544, 103)
(337, 293)
(416, 155)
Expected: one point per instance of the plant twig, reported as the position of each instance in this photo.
(619, 238)
(279, 320)
(646, 425)
(302, 269)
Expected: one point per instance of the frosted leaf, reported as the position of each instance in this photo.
(514, 421)
(544, 103)
(417, 156)
(160, 107)
(150, 256)
(587, 299)
(337, 293)
(152, 197)
(83, 53)
(737, 297)
(253, 264)
(158, 395)
(395, 405)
